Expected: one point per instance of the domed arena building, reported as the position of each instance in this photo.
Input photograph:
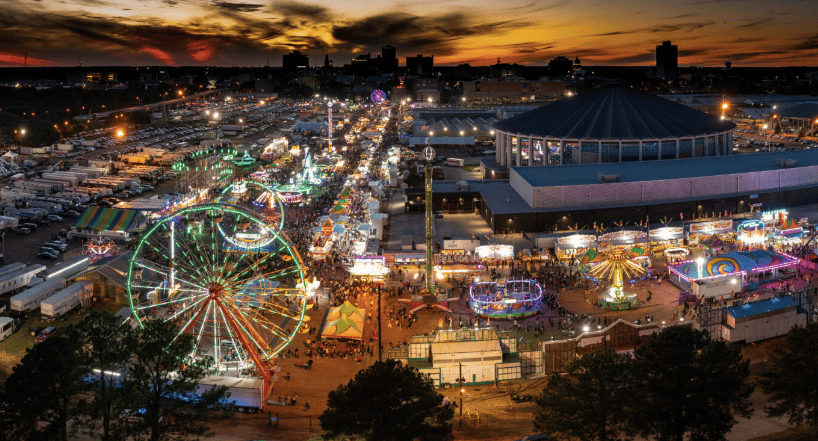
(610, 124)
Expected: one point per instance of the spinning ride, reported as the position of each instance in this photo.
(508, 299)
(616, 266)
(266, 200)
(241, 308)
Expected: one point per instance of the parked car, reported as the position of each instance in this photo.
(47, 255)
(22, 230)
(45, 334)
(54, 218)
(50, 249)
(31, 226)
(60, 245)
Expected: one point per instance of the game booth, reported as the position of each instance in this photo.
(666, 237)
(506, 299)
(726, 274)
(457, 263)
(569, 247)
(751, 233)
(371, 268)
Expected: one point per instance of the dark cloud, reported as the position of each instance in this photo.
(302, 10)
(412, 33)
(676, 17)
(808, 44)
(706, 2)
(756, 23)
(666, 28)
(239, 7)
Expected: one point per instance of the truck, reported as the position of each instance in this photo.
(31, 298)
(455, 162)
(67, 299)
(247, 393)
(7, 326)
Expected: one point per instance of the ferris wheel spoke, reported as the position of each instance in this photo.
(278, 310)
(233, 339)
(187, 308)
(165, 274)
(177, 299)
(195, 317)
(248, 333)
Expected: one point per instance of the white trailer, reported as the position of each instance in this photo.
(65, 147)
(67, 299)
(18, 278)
(10, 221)
(31, 298)
(248, 393)
(6, 327)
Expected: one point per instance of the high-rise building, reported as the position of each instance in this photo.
(295, 60)
(560, 66)
(667, 60)
(389, 59)
(420, 64)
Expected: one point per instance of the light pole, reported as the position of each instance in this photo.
(429, 154)
(766, 137)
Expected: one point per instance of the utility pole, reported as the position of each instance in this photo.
(429, 154)
(380, 328)
(460, 428)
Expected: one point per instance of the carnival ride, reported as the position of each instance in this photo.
(241, 308)
(266, 200)
(506, 299)
(615, 265)
(99, 247)
(377, 96)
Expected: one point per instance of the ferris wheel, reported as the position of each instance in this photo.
(241, 305)
(377, 96)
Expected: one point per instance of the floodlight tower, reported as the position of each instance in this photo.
(429, 154)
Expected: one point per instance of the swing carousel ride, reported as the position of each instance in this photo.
(617, 266)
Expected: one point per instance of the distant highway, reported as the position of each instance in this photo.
(101, 115)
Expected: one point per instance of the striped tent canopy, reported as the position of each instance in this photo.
(346, 192)
(339, 209)
(106, 219)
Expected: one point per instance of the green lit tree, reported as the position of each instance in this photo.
(163, 387)
(388, 402)
(42, 394)
(687, 384)
(792, 377)
(589, 401)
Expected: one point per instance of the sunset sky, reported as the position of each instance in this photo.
(207, 32)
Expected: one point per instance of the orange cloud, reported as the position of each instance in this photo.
(200, 50)
(158, 54)
(20, 60)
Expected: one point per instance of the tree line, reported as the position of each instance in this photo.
(678, 385)
(105, 379)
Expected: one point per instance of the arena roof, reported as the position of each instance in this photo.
(803, 111)
(560, 175)
(614, 112)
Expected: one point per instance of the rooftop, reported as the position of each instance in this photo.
(561, 175)
(614, 112)
(769, 305)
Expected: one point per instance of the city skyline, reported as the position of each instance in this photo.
(199, 32)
